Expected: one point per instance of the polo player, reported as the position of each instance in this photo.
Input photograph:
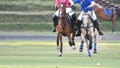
(87, 6)
(69, 6)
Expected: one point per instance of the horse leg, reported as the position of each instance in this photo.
(61, 45)
(90, 42)
(89, 47)
(57, 42)
(95, 46)
(71, 43)
(113, 26)
(81, 46)
(82, 43)
(114, 20)
(89, 53)
(73, 35)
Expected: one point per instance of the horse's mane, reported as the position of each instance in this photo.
(89, 19)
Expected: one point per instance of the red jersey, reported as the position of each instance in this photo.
(66, 1)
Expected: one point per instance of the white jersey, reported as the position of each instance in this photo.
(68, 10)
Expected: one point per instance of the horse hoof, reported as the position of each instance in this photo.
(73, 47)
(95, 51)
(89, 55)
(114, 32)
(81, 50)
(60, 54)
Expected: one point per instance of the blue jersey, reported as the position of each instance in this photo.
(84, 4)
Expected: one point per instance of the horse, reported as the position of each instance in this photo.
(64, 28)
(88, 34)
(100, 13)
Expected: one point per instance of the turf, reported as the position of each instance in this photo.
(43, 54)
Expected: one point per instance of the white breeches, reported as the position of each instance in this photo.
(68, 10)
(91, 13)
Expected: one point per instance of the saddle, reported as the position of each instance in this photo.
(78, 33)
(107, 11)
(110, 11)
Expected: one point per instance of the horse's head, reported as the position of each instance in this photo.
(118, 10)
(62, 9)
(85, 18)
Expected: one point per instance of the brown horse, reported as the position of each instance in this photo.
(64, 28)
(100, 13)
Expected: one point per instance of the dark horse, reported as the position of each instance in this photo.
(64, 28)
(100, 13)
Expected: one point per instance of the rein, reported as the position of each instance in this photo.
(62, 17)
(89, 24)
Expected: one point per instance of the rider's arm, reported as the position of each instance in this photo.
(71, 2)
(57, 2)
(76, 1)
(92, 4)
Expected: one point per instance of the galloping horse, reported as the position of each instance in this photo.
(88, 33)
(100, 12)
(64, 28)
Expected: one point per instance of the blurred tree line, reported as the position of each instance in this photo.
(115, 1)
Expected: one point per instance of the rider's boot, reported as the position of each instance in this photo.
(96, 24)
(79, 25)
(74, 22)
(55, 20)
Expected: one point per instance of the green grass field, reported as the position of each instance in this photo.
(43, 54)
(35, 16)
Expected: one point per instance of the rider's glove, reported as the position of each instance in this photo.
(73, 7)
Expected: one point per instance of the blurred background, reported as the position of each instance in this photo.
(26, 40)
(35, 15)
